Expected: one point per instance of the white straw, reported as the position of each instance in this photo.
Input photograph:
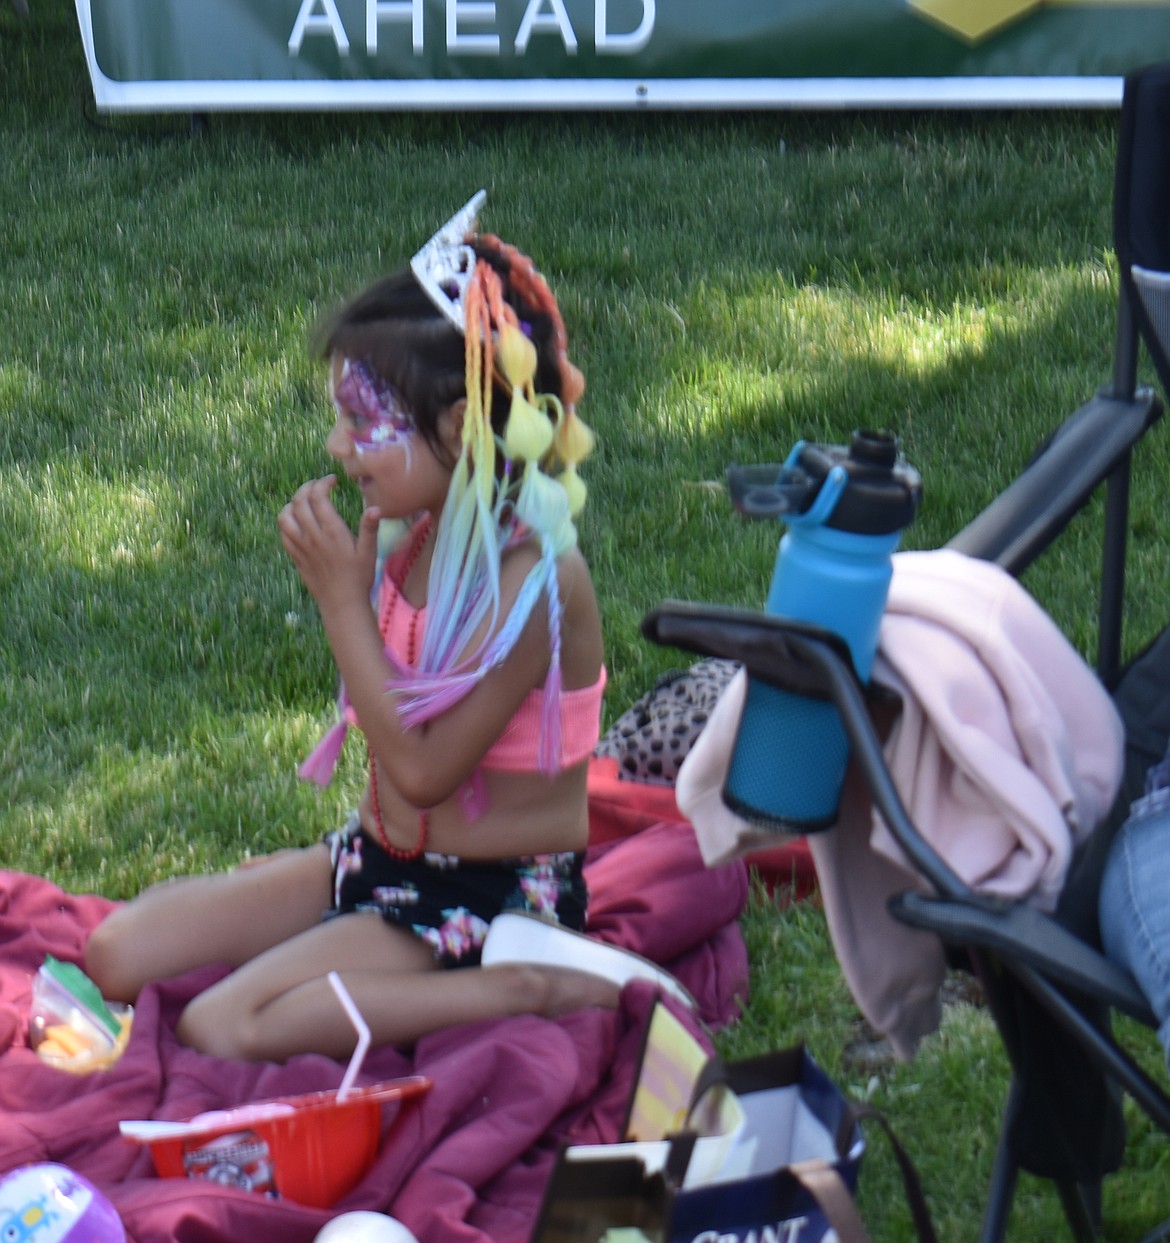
(359, 1026)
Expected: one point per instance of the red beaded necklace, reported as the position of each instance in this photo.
(389, 603)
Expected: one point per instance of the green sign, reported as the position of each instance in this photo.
(205, 54)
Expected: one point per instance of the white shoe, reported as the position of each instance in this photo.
(519, 936)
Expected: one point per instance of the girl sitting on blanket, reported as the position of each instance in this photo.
(477, 680)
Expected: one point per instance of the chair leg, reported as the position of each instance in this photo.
(1004, 1174)
(1081, 1201)
(1082, 1210)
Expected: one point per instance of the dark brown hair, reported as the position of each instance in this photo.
(396, 330)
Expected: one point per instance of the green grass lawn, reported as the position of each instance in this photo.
(731, 283)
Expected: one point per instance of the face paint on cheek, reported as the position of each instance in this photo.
(402, 439)
(378, 419)
(387, 435)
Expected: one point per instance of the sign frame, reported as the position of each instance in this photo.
(632, 91)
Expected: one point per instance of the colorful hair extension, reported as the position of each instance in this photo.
(486, 508)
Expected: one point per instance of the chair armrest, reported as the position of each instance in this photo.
(1030, 513)
(1015, 932)
(768, 647)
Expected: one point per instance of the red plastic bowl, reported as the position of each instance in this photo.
(311, 1149)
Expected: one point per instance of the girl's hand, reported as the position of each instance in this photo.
(336, 566)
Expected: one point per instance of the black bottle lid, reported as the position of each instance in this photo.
(882, 492)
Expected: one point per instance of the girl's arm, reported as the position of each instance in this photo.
(428, 762)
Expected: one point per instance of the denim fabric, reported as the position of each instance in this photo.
(1134, 904)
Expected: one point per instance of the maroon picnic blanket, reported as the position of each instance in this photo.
(467, 1162)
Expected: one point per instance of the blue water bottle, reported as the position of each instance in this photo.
(844, 509)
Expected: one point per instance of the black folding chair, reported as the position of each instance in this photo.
(1049, 988)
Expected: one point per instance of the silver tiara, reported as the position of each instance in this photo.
(445, 264)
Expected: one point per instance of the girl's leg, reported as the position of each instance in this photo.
(1135, 911)
(281, 1003)
(230, 918)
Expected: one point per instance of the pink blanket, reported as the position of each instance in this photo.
(467, 1163)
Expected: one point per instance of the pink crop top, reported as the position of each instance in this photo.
(517, 749)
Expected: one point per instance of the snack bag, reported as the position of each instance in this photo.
(70, 1025)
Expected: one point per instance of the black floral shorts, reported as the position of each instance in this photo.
(447, 901)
